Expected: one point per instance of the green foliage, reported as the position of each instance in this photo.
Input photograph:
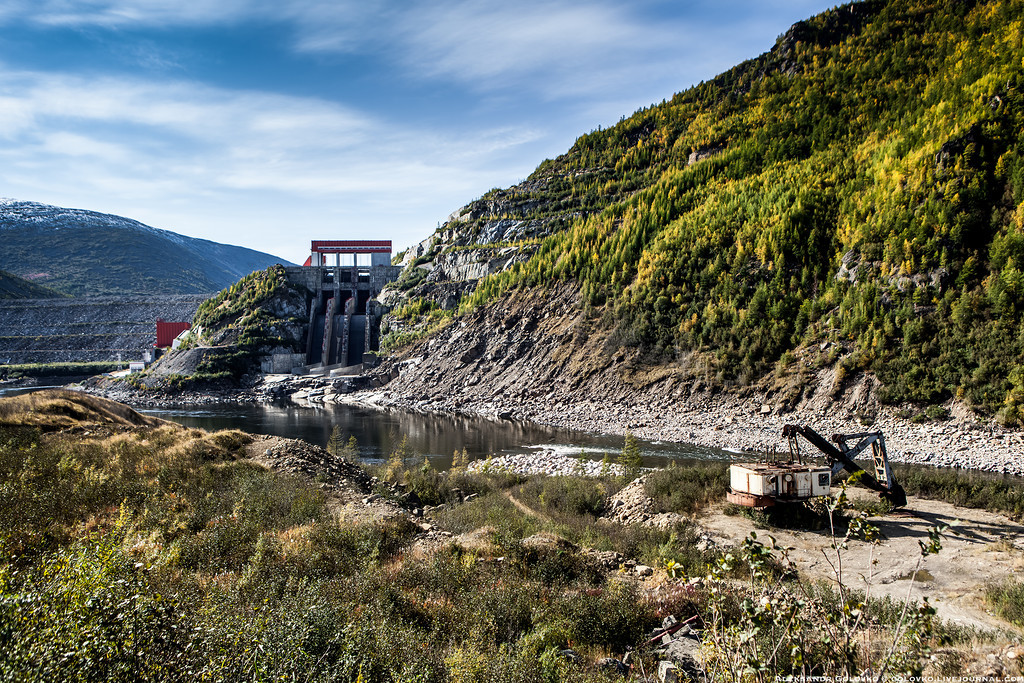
(157, 555)
(861, 183)
(630, 458)
(339, 448)
(242, 297)
(241, 320)
(162, 553)
(687, 489)
(964, 488)
(571, 496)
(1007, 600)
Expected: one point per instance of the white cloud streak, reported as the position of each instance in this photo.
(139, 142)
(545, 46)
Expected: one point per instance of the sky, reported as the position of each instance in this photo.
(270, 123)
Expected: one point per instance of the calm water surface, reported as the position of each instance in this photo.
(436, 436)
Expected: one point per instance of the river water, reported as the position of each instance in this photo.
(433, 435)
(436, 436)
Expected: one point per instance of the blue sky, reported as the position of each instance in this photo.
(268, 123)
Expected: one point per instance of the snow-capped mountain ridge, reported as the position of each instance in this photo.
(100, 253)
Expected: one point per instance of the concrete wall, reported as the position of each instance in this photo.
(282, 363)
(313, 278)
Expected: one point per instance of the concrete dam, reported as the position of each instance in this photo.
(344, 277)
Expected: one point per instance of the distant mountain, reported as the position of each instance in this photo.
(14, 287)
(85, 253)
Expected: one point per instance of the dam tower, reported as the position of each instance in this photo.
(344, 278)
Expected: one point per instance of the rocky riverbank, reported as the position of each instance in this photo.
(546, 462)
(726, 421)
(733, 423)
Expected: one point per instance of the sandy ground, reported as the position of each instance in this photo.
(981, 548)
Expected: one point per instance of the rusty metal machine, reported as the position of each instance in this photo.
(774, 481)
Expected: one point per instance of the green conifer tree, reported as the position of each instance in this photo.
(630, 457)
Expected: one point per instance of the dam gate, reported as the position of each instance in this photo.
(344, 278)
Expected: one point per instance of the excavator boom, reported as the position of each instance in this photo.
(841, 456)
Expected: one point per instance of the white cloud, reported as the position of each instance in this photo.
(121, 13)
(560, 49)
(149, 148)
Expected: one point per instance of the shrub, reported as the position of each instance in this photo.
(1007, 600)
(687, 488)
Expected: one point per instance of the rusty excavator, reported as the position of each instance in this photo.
(774, 481)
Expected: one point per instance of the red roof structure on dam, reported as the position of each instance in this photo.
(351, 246)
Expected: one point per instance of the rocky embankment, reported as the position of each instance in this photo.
(86, 328)
(546, 462)
(545, 361)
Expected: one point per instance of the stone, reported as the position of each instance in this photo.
(667, 672)
(613, 664)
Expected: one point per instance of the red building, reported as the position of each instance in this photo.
(166, 332)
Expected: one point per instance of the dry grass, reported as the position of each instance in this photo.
(55, 409)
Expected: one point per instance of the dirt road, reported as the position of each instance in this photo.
(981, 548)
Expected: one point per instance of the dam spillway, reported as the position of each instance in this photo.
(344, 316)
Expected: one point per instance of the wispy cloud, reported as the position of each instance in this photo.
(137, 142)
(484, 44)
(558, 48)
(122, 13)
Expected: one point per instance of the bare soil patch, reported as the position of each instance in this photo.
(980, 549)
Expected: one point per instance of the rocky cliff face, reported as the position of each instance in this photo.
(485, 237)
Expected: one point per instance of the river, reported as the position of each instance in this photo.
(435, 436)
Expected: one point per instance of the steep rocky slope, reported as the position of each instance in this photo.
(857, 192)
(85, 328)
(87, 253)
(540, 356)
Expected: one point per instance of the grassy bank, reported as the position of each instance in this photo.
(133, 549)
(965, 488)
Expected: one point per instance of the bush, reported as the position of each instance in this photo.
(687, 488)
(965, 488)
(568, 496)
(1007, 600)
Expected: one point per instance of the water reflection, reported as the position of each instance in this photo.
(437, 436)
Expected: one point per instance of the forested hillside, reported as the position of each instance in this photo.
(858, 188)
(14, 287)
